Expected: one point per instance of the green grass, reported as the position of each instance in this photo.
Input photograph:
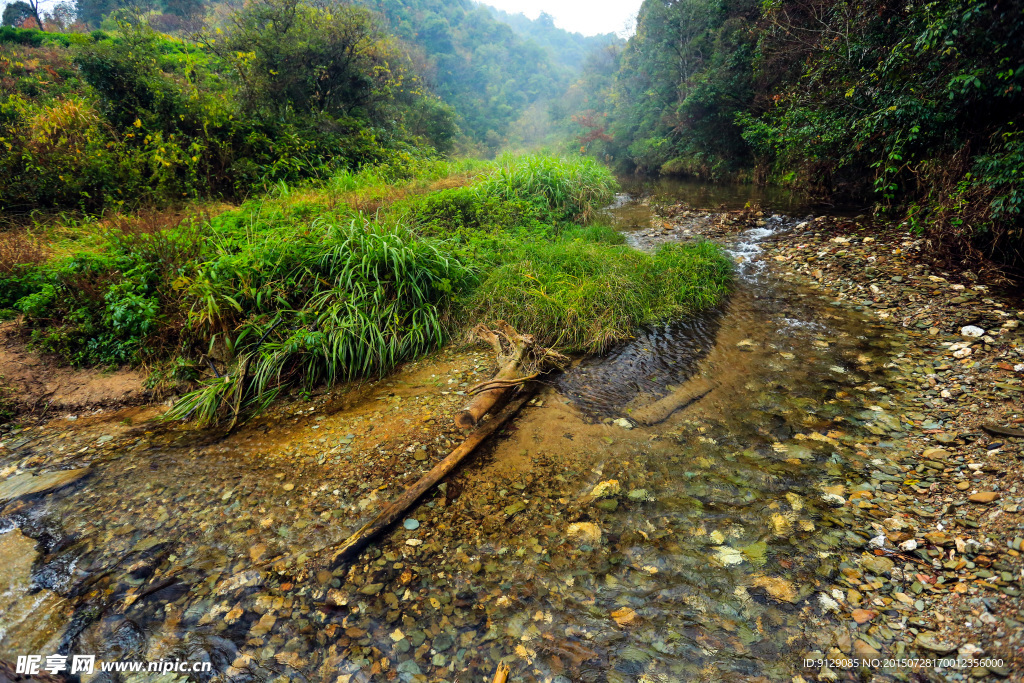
(582, 296)
(573, 188)
(319, 283)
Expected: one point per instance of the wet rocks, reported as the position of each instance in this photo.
(606, 489)
(932, 643)
(28, 483)
(625, 616)
(586, 532)
(984, 497)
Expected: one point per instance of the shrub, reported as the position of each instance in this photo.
(573, 188)
(367, 297)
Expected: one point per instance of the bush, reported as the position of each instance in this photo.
(572, 188)
(344, 301)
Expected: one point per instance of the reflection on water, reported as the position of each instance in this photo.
(719, 197)
(630, 209)
(656, 362)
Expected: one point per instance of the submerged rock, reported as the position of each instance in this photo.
(28, 483)
(587, 532)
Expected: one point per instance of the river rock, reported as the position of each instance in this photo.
(32, 621)
(984, 497)
(778, 588)
(606, 489)
(863, 616)
(625, 616)
(587, 532)
(930, 641)
(28, 483)
(877, 565)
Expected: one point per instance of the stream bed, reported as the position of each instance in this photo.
(584, 545)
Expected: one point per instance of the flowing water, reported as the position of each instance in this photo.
(699, 559)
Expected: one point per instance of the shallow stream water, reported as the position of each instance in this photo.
(699, 559)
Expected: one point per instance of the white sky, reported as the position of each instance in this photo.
(588, 17)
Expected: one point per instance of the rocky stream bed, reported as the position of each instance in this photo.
(830, 494)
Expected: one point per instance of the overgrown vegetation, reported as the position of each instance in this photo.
(289, 91)
(301, 288)
(488, 68)
(915, 107)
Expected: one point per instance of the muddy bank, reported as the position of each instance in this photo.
(32, 383)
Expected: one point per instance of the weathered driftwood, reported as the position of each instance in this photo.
(391, 512)
(501, 673)
(519, 358)
(1002, 431)
(660, 410)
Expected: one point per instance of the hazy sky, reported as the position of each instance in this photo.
(588, 17)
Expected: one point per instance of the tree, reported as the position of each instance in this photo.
(593, 127)
(331, 59)
(20, 12)
(16, 13)
(92, 12)
(62, 17)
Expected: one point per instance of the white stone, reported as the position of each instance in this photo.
(827, 603)
(971, 332)
(607, 488)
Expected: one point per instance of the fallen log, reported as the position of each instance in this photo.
(660, 410)
(996, 430)
(520, 359)
(392, 511)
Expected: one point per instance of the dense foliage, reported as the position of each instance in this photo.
(476, 63)
(288, 91)
(911, 106)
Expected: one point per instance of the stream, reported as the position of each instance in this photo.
(585, 545)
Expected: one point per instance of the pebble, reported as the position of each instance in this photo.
(984, 497)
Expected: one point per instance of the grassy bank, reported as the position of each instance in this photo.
(346, 278)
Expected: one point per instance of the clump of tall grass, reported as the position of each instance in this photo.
(366, 298)
(584, 296)
(573, 187)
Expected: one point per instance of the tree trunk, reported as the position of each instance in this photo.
(391, 512)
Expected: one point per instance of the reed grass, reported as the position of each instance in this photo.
(584, 296)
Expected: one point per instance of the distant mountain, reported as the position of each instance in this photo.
(567, 48)
(488, 70)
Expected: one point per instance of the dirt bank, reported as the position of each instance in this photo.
(36, 384)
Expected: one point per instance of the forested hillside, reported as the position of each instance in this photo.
(94, 121)
(488, 65)
(479, 65)
(568, 48)
(914, 107)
